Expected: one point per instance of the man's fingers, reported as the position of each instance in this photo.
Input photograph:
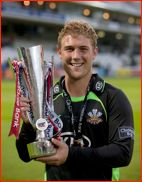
(24, 104)
(23, 109)
(25, 118)
(50, 160)
(24, 99)
(56, 142)
(47, 158)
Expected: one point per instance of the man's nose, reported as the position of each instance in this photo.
(76, 54)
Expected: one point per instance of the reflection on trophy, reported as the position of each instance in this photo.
(34, 77)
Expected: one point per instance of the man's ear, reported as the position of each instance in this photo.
(59, 52)
(95, 52)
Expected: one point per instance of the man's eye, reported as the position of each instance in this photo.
(84, 49)
(69, 49)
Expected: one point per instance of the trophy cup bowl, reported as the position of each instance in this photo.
(33, 59)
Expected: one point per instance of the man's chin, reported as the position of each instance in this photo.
(76, 76)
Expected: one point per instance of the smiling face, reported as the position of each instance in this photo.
(77, 54)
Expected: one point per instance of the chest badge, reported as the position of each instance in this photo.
(94, 117)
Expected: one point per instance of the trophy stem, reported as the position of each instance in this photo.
(40, 135)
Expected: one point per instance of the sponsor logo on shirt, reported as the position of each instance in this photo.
(99, 85)
(56, 89)
(67, 137)
(126, 132)
(94, 117)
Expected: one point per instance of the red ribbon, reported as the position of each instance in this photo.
(15, 126)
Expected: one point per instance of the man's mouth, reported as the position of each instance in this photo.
(76, 64)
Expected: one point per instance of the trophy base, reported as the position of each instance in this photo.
(41, 149)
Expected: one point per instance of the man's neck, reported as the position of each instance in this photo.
(77, 88)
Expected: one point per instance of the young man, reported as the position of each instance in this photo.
(98, 131)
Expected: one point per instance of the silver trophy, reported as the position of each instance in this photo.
(36, 83)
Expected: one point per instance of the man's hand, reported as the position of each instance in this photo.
(24, 107)
(59, 158)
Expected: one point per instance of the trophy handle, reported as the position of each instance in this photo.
(52, 81)
(10, 64)
(19, 54)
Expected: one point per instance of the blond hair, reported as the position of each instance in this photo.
(75, 28)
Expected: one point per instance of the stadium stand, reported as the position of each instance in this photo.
(117, 23)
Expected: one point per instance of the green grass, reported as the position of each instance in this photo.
(13, 169)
